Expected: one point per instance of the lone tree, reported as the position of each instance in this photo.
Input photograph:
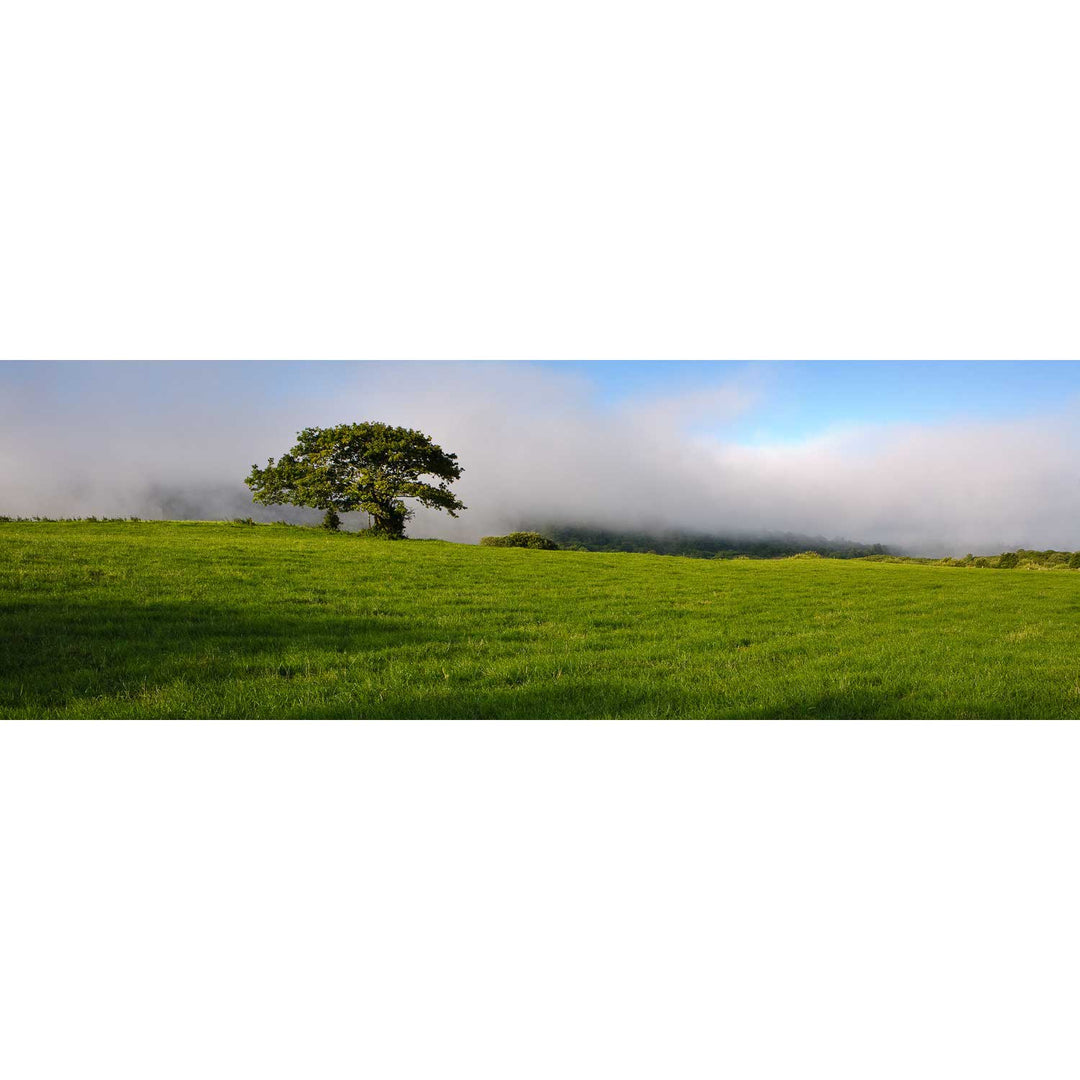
(369, 466)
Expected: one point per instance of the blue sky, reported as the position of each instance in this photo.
(789, 400)
(797, 399)
(794, 400)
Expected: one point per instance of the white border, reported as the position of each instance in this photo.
(835, 900)
(586, 179)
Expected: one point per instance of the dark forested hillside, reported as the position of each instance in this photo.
(704, 545)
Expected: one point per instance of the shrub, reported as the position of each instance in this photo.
(520, 539)
(1008, 560)
(1074, 561)
(980, 561)
(243, 521)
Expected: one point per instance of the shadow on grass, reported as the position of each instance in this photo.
(854, 705)
(52, 652)
(104, 657)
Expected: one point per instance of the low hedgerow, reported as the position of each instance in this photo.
(520, 539)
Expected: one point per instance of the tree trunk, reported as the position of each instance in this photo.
(389, 521)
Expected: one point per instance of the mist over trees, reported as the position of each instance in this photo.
(702, 545)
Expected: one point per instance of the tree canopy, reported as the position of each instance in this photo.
(369, 466)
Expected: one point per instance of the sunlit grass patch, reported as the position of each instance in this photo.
(223, 620)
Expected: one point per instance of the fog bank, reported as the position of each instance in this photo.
(176, 440)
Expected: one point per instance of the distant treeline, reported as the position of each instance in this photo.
(706, 545)
(1022, 558)
(692, 545)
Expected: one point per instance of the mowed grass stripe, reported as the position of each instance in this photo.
(196, 619)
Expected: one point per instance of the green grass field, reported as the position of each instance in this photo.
(178, 619)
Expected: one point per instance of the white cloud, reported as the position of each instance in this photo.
(536, 446)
